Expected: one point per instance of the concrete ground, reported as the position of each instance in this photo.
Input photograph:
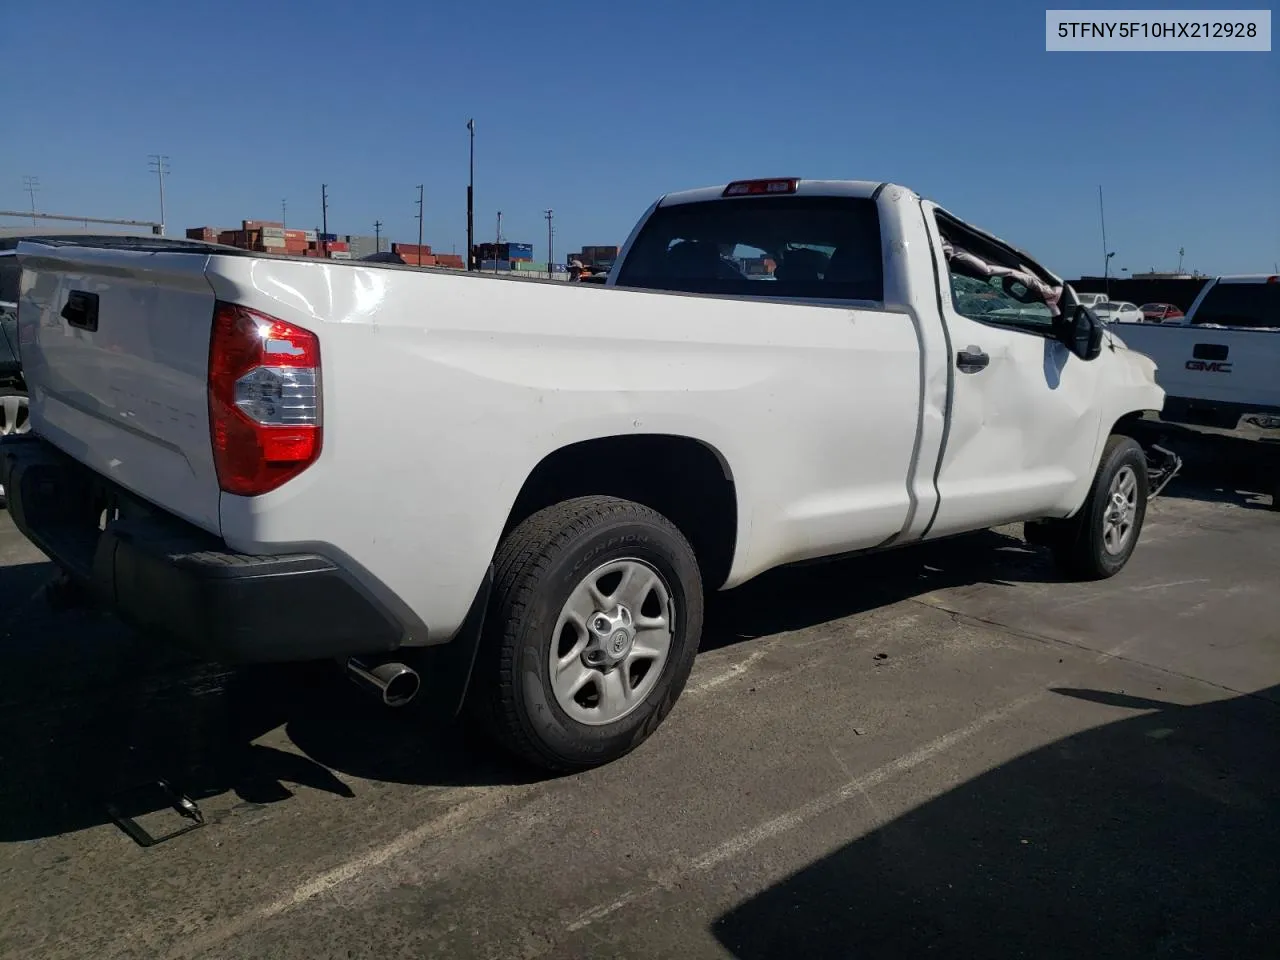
(940, 751)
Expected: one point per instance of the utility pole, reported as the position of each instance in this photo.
(161, 164)
(1181, 251)
(471, 190)
(497, 237)
(377, 236)
(550, 244)
(419, 224)
(284, 213)
(31, 185)
(324, 220)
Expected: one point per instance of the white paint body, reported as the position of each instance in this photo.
(843, 426)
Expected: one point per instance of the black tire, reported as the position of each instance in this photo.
(536, 568)
(1078, 544)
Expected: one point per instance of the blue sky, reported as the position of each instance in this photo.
(595, 109)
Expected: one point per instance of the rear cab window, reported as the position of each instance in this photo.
(792, 247)
(1229, 304)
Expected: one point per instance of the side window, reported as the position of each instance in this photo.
(994, 284)
(999, 300)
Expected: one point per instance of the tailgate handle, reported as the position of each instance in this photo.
(1210, 351)
(81, 311)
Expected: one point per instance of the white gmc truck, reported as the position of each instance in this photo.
(1220, 363)
(514, 494)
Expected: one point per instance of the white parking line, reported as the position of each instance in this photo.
(735, 671)
(463, 815)
(743, 842)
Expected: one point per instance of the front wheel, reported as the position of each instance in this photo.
(591, 633)
(1097, 542)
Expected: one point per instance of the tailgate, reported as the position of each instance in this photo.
(1218, 364)
(115, 336)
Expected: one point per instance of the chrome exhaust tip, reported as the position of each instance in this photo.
(395, 684)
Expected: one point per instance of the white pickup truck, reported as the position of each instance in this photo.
(518, 491)
(1221, 362)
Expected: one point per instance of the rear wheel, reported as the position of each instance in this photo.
(591, 632)
(1098, 541)
(14, 417)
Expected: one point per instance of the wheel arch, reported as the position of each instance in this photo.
(687, 480)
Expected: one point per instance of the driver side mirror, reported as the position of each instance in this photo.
(1083, 333)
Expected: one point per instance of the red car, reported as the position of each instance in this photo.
(1160, 312)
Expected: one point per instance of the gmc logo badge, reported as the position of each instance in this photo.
(1210, 366)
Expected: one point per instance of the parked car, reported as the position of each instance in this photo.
(1160, 312)
(520, 493)
(1090, 299)
(1113, 311)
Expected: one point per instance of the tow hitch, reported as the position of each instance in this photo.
(1162, 466)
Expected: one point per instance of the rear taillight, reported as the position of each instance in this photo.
(264, 399)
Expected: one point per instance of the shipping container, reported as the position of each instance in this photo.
(309, 234)
(295, 235)
(495, 264)
(330, 237)
(519, 251)
(339, 255)
(403, 248)
(452, 260)
(276, 233)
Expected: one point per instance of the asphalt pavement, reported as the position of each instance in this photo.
(941, 751)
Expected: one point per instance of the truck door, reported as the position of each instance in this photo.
(1023, 422)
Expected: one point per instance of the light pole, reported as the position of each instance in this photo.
(471, 192)
(324, 219)
(550, 246)
(377, 236)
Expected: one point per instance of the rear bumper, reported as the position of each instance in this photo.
(170, 579)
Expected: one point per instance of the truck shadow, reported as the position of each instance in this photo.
(90, 710)
(1151, 836)
(1241, 468)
